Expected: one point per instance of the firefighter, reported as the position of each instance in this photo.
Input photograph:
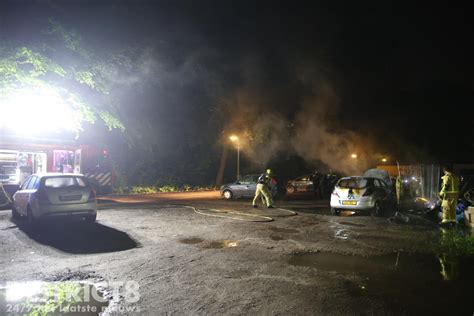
(449, 194)
(399, 188)
(263, 189)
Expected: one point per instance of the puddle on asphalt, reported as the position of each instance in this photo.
(217, 244)
(51, 298)
(329, 261)
(283, 230)
(191, 241)
(405, 282)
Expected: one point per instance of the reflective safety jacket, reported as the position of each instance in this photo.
(449, 185)
(265, 179)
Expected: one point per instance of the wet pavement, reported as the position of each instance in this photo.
(407, 283)
(191, 263)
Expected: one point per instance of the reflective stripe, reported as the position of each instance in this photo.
(102, 178)
(452, 182)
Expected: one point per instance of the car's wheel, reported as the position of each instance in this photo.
(227, 194)
(15, 214)
(376, 210)
(91, 218)
(290, 189)
(469, 195)
(335, 211)
(30, 219)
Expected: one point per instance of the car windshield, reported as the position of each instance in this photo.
(353, 183)
(61, 182)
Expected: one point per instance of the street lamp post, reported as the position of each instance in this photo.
(235, 138)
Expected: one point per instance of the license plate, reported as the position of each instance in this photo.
(65, 198)
(349, 202)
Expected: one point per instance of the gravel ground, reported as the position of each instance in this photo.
(189, 263)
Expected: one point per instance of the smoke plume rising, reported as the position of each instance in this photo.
(314, 133)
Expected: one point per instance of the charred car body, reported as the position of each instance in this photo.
(318, 184)
(301, 184)
(371, 192)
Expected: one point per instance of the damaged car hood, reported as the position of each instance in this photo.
(378, 173)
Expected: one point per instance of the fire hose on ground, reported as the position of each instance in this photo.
(248, 217)
(4, 197)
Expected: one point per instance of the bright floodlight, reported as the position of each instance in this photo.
(354, 156)
(384, 159)
(38, 110)
(234, 138)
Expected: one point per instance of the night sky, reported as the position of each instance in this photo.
(395, 77)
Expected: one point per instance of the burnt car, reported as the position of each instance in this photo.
(245, 187)
(319, 184)
(371, 192)
(466, 190)
(301, 184)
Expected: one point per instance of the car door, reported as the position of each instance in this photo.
(380, 192)
(249, 185)
(30, 189)
(20, 197)
(238, 187)
(390, 198)
(304, 184)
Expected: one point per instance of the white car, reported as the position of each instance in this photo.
(53, 195)
(362, 194)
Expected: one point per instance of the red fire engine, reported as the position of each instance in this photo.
(20, 158)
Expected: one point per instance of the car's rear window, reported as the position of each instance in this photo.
(61, 182)
(352, 183)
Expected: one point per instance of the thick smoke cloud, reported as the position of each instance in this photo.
(314, 132)
(263, 133)
(320, 137)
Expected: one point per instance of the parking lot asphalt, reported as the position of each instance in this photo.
(189, 262)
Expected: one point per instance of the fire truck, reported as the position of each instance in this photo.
(22, 157)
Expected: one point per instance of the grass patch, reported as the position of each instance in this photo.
(454, 242)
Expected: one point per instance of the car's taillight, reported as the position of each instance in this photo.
(92, 196)
(334, 192)
(42, 196)
(368, 192)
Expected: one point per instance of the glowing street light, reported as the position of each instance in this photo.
(384, 159)
(235, 138)
(354, 156)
